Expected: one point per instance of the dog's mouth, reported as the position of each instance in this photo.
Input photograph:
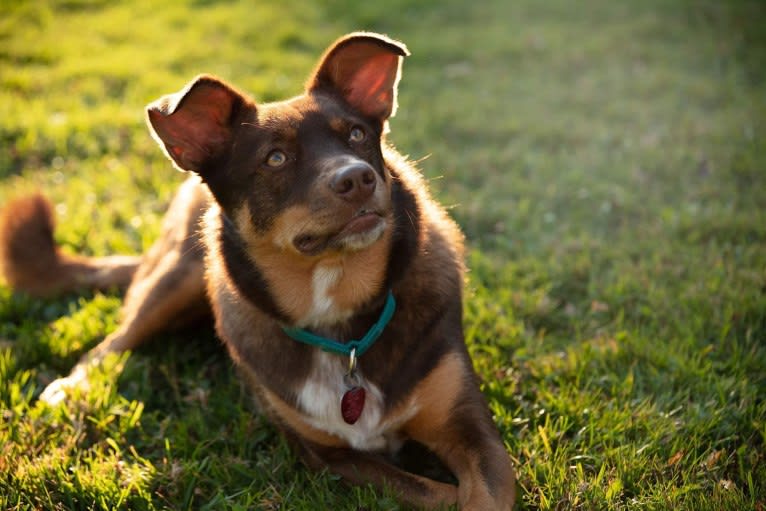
(362, 230)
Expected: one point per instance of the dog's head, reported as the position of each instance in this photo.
(304, 175)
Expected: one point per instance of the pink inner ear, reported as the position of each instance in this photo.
(197, 127)
(372, 86)
(212, 105)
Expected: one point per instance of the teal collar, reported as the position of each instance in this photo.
(358, 347)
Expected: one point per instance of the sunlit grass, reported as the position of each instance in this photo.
(606, 160)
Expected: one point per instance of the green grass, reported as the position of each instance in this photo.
(607, 161)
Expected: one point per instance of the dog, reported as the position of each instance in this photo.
(334, 279)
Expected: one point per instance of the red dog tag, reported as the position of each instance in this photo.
(352, 404)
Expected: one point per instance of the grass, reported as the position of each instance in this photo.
(607, 161)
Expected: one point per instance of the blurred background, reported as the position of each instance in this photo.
(574, 118)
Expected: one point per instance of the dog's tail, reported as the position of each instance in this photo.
(31, 261)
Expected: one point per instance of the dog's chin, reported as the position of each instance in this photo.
(358, 234)
(356, 241)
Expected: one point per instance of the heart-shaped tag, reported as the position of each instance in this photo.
(352, 404)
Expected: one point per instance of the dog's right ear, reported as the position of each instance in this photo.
(195, 124)
(364, 68)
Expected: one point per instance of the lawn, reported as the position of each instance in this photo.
(606, 159)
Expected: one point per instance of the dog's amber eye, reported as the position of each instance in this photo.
(276, 158)
(356, 134)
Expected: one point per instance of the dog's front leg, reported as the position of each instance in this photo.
(167, 290)
(151, 305)
(454, 422)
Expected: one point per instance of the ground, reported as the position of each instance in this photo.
(607, 161)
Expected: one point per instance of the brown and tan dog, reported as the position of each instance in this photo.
(301, 220)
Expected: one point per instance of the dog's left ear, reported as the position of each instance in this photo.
(196, 124)
(364, 68)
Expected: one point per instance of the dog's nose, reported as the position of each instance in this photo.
(354, 183)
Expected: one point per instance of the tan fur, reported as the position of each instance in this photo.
(287, 272)
(337, 124)
(435, 397)
(363, 274)
(289, 224)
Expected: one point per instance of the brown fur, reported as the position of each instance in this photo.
(31, 261)
(362, 273)
(308, 219)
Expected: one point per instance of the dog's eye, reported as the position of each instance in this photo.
(276, 158)
(356, 134)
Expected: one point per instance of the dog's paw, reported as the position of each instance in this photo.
(60, 388)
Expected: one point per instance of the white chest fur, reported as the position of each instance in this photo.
(320, 399)
(323, 309)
